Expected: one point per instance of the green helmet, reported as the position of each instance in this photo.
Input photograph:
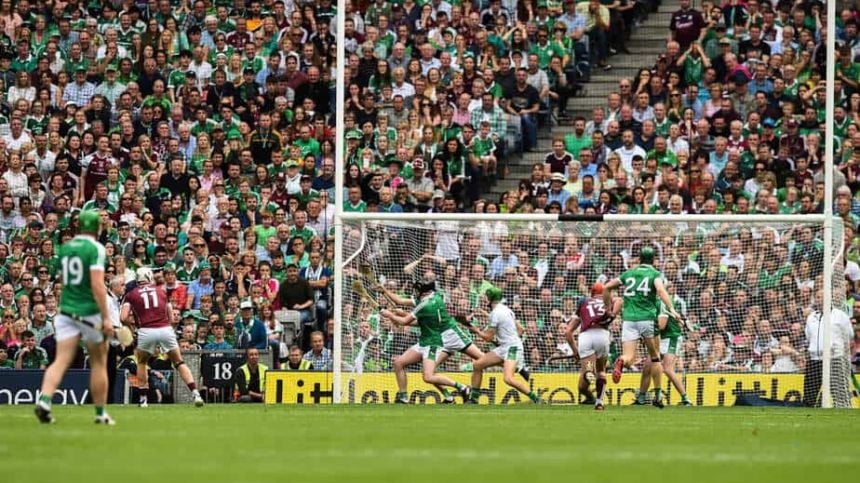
(494, 294)
(646, 255)
(89, 221)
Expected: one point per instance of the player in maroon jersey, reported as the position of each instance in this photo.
(593, 346)
(147, 303)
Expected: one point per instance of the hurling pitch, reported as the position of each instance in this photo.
(244, 443)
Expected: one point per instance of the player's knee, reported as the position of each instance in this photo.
(509, 379)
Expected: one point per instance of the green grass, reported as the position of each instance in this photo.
(432, 443)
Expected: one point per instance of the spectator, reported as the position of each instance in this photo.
(319, 356)
(295, 361)
(296, 294)
(250, 379)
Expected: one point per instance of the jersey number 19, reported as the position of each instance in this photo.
(73, 271)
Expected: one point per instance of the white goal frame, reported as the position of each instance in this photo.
(826, 219)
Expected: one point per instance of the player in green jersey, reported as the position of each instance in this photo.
(671, 345)
(440, 335)
(642, 286)
(84, 316)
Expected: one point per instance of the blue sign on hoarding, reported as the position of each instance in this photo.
(23, 387)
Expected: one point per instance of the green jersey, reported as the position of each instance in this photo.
(673, 326)
(77, 257)
(433, 319)
(640, 295)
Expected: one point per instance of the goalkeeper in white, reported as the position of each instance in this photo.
(505, 331)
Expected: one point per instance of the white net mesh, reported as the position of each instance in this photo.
(747, 288)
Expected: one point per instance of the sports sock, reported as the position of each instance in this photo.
(459, 386)
(684, 398)
(192, 386)
(446, 393)
(658, 394)
(534, 397)
(100, 411)
(640, 396)
(600, 385)
(401, 395)
(143, 394)
(476, 393)
(45, 399)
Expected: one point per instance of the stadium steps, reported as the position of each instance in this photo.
(647, 42)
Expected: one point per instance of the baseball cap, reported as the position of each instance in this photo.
(438, 194)
(292, 163)
(246, 304)
(280, 177)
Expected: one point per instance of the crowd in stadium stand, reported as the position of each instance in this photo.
(729, 119)
(204, 133)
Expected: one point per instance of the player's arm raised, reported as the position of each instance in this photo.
(665, 298)
(607, 295)
(396, 299)
(399, 319)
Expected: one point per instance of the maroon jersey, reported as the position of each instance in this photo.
(97, 168)
(591, 314)
(149, 304)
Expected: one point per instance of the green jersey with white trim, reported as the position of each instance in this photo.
(673, 326)
(77, 257)
(502, 319)
(433, 319)
(640, 295)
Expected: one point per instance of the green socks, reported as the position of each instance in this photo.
(640, 397)
(476, 393)
(45, 399)
(658, 394)
(100, 411)
(446, 393)
(534, 397)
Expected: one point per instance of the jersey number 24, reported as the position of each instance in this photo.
(644, 287)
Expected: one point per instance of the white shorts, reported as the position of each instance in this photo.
(671, 345)
(455, 340)
(511, 352)
(428, 352)
(594, 341)
(89, 328)
(149, 339)
(635, 330)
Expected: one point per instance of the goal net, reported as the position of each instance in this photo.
(751, 292)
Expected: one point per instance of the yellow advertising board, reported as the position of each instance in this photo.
(706, 389)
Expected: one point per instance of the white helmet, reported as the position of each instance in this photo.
(144, 275)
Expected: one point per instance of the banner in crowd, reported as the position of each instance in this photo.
(706, 389)
(24, 387)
